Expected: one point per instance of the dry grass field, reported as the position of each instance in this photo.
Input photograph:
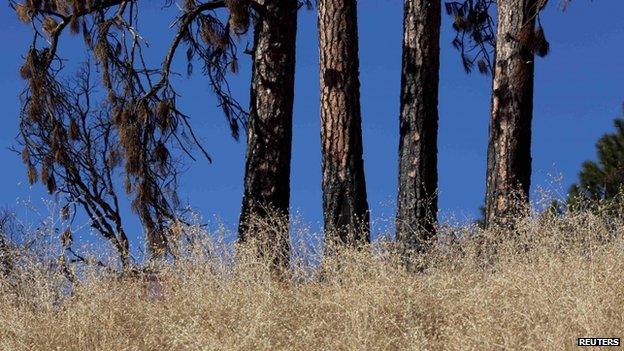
(553, 280)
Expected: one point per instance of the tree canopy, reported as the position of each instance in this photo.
(603, 178)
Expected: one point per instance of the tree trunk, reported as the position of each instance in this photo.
(156, 239)
(509, 148)
(269, 139)
(417, 203)
(345, 207)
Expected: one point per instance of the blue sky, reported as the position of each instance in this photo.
(579, 90)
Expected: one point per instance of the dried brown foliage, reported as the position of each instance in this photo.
(553, 280)
(475, 25)
(239, 15)
(534, 41)
(68, 139)
(76, 142)
(476, 32)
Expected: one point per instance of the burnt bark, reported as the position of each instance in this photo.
(345, 205)
(417, 203)
(269, 138)
(509, 147)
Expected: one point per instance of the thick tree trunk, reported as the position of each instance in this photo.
(417, 203)
(509, 149)
(269, 139)
(345, 207)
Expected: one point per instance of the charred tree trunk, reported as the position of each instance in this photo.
(345, 207)
(269, 140)
(509, 148)
(417, 203)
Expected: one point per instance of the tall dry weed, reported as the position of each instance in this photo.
(552, 280)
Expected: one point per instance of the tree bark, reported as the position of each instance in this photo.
(269, 138)
(417, 203)
(156, 239)
(509, 148)
(345, 206)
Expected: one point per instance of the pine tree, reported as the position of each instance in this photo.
(417, 203)
(514, 40)
(509, 147)
(345, 205)
(269, 140)
(78, 142)
(601, 179)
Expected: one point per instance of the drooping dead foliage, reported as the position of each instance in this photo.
(76, 140)
(66, 142)
(475, 26)
(239, 15)
(476, 32)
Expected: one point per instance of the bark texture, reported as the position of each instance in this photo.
(345, 206)
(269, 139)
(417, 203)
(509, 147)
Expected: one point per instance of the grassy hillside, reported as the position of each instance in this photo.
(552, 281)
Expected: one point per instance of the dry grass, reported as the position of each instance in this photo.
(554, 280)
